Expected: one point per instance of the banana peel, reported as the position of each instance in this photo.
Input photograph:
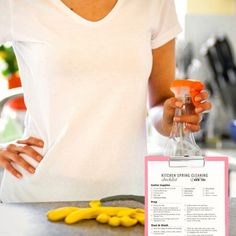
(114, 216)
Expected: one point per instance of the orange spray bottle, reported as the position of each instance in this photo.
(181, 143)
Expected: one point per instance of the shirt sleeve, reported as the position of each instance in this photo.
(166, 25)
(5, 21)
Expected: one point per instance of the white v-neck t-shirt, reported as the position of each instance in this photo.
(85, 87)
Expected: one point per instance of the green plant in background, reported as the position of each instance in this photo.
(7, 55)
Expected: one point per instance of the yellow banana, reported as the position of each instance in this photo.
(140, 210)
(114, 221)
(92, 213)
(103, 218)
(95, 203)
(60, 213)
(128, 221)
(139, 216)
(126, 212)
(114, 216)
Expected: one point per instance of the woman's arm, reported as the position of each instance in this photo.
(162, 104)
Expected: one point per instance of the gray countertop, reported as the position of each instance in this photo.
(232, 217)
(29, 219)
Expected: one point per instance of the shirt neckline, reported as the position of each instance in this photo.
(81, 19)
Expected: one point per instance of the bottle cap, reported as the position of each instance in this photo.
(195, 87)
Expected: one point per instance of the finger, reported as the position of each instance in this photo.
(20, 161)
(193, 119)
(192, 127)
(28, 150)
(32, 141)
(7, 165)
(202, 96)
(170, 106)
(206, 106)
(173, 103)
(169, 110)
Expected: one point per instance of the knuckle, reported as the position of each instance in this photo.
(32, 153)
(170, 101)
(30, 139)
(16, 158)
(11, 146)
(21, 161)
(12, 171)
(205, 94)
(24, 164)
(41, 142)
(196, 119)
(4, 162)
(209, 105)
(8, 166)
(35, 138)
(21, 148)
(26, 148)
(166, 103)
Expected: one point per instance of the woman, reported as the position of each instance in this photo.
(86, 68)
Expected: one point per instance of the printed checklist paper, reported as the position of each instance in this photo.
(186, 201)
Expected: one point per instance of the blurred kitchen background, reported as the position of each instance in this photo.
(205, 50)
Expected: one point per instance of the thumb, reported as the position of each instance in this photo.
(169, 108)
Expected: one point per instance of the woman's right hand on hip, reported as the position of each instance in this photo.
(11, 154)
